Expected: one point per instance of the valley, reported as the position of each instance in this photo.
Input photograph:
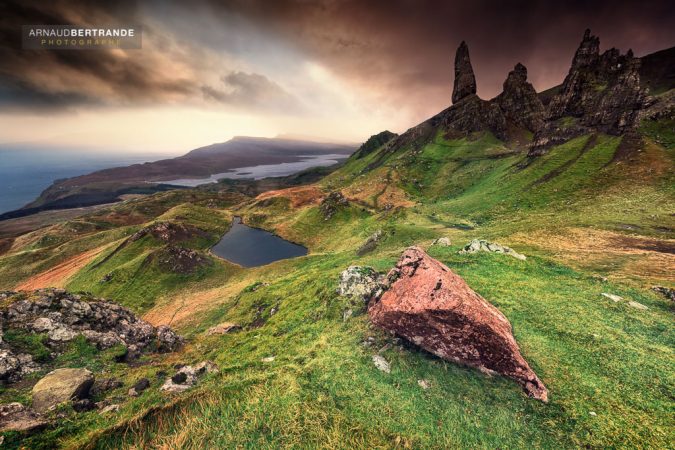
(584, 191)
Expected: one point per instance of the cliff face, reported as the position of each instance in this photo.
(603, 91)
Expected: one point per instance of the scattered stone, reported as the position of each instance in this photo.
(187, 377)
(347, 314)
(360, 282)
(223, 328)
(592, 413)
(61, 385)
(104, 385)
(332, 204)
(168, 340)
(424, 384)
(442, 242)
(14, 367)
(17, 417)
(62, 334)
(139, 387)
(268, 359)
(42, 325)
(64, 316)
(666, 292)
(480, 245)
(371, 243)
(110, 409)
(83, 405)
(179, 260)
(637, 305)
(612, 297)
(381, 364)
(435, 309)
(206, 367)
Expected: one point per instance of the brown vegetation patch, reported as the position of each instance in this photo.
(299, 196)
(58, 275)
(380, 191)
(624, 255)
(184, 306)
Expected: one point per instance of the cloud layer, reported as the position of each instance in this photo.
(337, 58)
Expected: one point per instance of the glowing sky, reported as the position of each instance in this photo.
(336, 69)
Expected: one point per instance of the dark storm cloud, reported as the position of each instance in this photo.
(399, 52)
(403, 49)
(40, 79)
(252, 90)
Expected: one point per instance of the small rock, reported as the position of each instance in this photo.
(370, 244)
(612, 297)
(139, 387)
(42, 325)
(110, 409)
(442, 242)
(186, 377)
(666, 292)
(223, 328)
(637, 305)
(169, 341)
(381, 364)
(83, 405)
(104, 385)
(17, 417)
(268, 359)
(347, 314)
(424, 384)
(360, 282)
(61, 385)
(592, 413)
(62, 334)
(480, 245)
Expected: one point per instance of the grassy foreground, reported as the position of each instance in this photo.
(609, 367)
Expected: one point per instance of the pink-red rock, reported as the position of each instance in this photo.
(435, 309)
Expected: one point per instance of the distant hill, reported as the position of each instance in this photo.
(107, 185)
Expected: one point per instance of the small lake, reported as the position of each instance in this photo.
(252, 247)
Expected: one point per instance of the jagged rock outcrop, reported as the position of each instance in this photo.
(465, 81)
(519, 101)
(63, 316)
(435, 309)
(601, 91)
(332, 204)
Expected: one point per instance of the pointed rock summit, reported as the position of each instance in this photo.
(465, 81)
(435, 309)
(520, 102)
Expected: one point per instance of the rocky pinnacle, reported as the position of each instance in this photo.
(465, 81)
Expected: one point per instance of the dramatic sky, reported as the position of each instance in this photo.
(335, 69)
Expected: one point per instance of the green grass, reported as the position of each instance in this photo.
(608, 366)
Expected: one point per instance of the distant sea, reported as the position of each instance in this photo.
(25, 173)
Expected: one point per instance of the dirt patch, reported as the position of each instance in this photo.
(298, 196)
(183, 307)
(623, 255)
(380, 191)
(5, 245)
(58, 275)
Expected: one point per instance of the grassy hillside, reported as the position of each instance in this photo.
(586, 210)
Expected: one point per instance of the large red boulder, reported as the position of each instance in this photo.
(435, 309)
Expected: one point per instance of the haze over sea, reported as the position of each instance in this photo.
(26, 172)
